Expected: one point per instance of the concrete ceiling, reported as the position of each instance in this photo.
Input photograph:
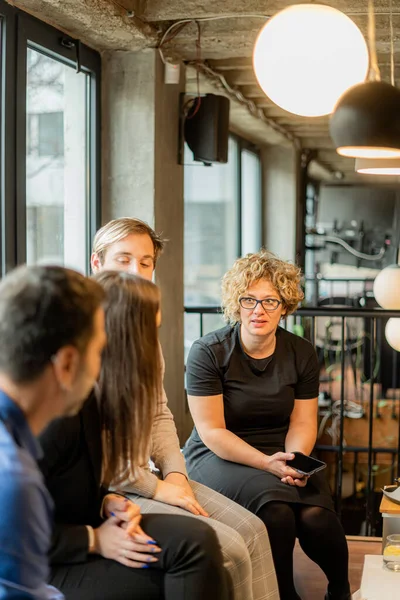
(226, 50)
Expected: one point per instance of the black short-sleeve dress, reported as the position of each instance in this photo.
(258, 399)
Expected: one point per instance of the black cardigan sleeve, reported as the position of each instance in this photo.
(69, 544)
(71, 479)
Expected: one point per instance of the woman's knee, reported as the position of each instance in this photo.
(177, 534)
(316, 518)
(277, 515)
(237, 563)
(250, 526)
(253, 531)
(200, 539)
(235, 550)
(234, 516)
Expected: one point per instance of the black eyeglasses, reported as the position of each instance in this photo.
(268, 304)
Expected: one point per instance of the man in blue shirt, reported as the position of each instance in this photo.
(51, 339)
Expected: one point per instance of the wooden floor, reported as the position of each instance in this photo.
(311, 582)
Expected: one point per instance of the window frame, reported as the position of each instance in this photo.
(7, 137)
(20, 31)
(250, 147)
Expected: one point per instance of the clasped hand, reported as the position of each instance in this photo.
(121, 538)
(276, 464)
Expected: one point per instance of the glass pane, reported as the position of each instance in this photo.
(251, 202)
(56, 206)
(211, 322)
(211, 226)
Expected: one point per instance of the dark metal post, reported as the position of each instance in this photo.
(313, 331)
(355, 469)
(398, 441)
(394, 382)
(341, 431)
(370, 430)
(303, 159)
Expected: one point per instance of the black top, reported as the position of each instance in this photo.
(258, 398)
(71, 466)
(258, 394)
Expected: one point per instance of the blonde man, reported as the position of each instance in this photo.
(131, 245)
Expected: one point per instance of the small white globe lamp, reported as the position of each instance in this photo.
(387, 288)
(307, 56)
(392, 333)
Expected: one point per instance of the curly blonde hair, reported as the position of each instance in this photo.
(284, 276)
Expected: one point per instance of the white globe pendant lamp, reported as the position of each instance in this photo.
(307, 56)
(387, 294)
(392, 333)
(387, 287)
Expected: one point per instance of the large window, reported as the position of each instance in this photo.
(222, 222)
(50, 194)
(211, 225)
(251, 202)
(56, 202)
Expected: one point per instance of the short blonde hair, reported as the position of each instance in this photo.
(116, 230)
(284, 276)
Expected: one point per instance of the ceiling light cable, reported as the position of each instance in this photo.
(374, 70)
(197, 100)
(255, 110)
(199, 66)
(215, 18)
(185, 22)
(391, 44)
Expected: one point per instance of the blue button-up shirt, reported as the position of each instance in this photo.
(26, 511)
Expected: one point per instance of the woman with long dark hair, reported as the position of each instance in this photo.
(99, 547)
(161, 484)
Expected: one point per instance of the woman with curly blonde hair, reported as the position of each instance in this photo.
(253, 394)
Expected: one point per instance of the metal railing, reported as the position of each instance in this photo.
(358, 347)
(327, 289)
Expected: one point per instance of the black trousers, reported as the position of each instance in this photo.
(190, 567)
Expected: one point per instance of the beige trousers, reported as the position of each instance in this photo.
(243, 539)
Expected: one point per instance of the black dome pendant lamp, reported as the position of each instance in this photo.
(366, 120)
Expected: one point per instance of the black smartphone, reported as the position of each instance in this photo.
(306, 465)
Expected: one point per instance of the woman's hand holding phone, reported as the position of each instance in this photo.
(276, 464)
(300, 481)
(305, 466)
(291, 467)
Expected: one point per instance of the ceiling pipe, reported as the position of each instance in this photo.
(322, 172)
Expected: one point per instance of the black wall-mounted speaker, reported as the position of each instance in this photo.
(207, 131)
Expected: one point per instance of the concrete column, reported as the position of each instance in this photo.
(142, 178)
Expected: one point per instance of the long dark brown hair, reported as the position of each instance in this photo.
(130, 378)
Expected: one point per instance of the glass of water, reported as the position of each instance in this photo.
(391, 552)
